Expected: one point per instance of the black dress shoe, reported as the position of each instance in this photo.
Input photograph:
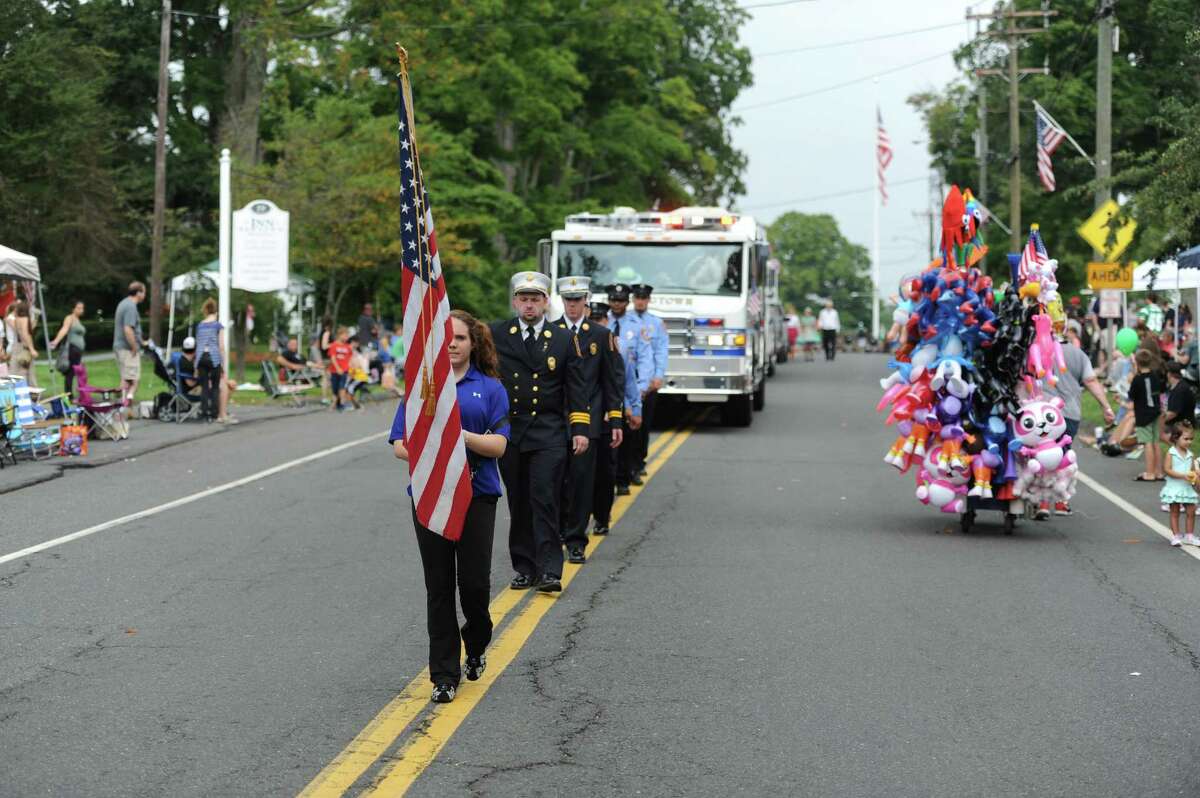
(522, 582)
(622, 490)
(549, 583)
(636, 480)
(600, 530)
(575, 554)
(643, 472)
(475, 667)
(443, 694)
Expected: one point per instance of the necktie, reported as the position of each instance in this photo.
(617, 328)
(530, 339)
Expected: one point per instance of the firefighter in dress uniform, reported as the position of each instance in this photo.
(625, 373)
(657, 332)
(629, 331)
(605, 404)
(543, 373)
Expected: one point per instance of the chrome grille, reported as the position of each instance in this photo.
(678, 331)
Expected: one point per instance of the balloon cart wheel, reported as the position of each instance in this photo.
(1010, 523)
(967, 521)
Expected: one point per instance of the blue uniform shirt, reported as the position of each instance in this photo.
(634, 336)
(658, 342)
(634, 385)
(483, 408)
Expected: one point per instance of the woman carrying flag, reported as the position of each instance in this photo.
(483, 409)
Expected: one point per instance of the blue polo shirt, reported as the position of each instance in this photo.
(483, 408)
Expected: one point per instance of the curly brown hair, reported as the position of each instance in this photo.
(483, 348)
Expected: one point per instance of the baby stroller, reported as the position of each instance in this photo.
(103, 408)
(180, 404)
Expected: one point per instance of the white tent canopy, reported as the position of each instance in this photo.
(1164, 276)
(19, 265)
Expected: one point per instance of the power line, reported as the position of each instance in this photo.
(835, 195)
(832, 45)
(842, 85)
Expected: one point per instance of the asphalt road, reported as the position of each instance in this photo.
(774, 615)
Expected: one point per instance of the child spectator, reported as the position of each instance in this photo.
(1181, 400)
(340, 353)
(359, 376)
(1180, 491)
(1143, 398)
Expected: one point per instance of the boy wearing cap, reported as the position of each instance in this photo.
(605, 404)
(659, 346)
(541, 369)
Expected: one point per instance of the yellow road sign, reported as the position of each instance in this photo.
(1110, 275)
(1095, 231)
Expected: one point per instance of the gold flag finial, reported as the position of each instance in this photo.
(402, 54)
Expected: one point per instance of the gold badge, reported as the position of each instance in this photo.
(592, 348)
(551, 362)
(512, 330)
(585, 326)
(546, 333)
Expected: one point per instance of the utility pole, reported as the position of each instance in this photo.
(1104, 54)
(981, 137)
(1013, 74)
(160, 177)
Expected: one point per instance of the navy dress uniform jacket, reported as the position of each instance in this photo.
(605, 392)
(547, 394)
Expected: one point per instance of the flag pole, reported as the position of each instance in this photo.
(875, 225)
(1038, 107)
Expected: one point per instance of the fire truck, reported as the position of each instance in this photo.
(709, 271)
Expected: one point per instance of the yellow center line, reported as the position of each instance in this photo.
(444, 719)
(379, 734)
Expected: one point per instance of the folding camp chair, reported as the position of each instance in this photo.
(103, 408)
(8, 422)
(26, 428)
(184, 403)
(270, 383)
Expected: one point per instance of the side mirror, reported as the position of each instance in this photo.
(545, 250)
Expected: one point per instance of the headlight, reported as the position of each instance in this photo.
(720, 340)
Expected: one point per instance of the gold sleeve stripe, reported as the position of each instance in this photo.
(615, 414)
(580, 418)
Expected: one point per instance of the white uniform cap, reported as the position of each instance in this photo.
(529, 281)
(574, 287)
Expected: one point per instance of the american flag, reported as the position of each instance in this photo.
(437, 464)
(754, 302)
(883, 155)
(1049, 136)
(1034, 254)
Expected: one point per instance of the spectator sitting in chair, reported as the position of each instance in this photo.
(290, 360)
(184, 363)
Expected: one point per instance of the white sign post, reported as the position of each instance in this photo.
(260, 247)
(223, 252)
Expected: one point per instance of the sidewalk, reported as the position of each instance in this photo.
(145, 436)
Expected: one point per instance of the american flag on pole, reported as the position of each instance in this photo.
(437, 456)
(1049, 136)
(1033, 255)
(883, 155)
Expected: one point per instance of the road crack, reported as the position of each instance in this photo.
(578, 711)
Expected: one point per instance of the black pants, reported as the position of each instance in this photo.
(74, 357)
(602, 485)
(625, 463)
(829, 341)
(210, 386)
(532, 482)
(578, 489)
(649, 403)
(468, 562)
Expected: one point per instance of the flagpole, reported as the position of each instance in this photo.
(1038, 107)
(875, 225)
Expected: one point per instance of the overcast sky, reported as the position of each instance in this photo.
(824, 144)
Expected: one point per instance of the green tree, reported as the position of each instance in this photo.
(820, 263)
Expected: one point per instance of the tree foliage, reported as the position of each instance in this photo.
(820, 263)
(527, 110)
(1156, 91)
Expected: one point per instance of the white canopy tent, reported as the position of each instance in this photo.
(203, 279)
(20, 266)
(1167, 276)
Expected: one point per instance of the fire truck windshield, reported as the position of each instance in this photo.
(669, 268)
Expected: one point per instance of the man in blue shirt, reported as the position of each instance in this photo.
(634, 338)
(657, 334)
(624, 367)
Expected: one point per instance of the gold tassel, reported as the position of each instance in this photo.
(427, 392)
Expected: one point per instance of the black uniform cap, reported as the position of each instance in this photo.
(598, 309)
(619, 291)
(641, 290)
